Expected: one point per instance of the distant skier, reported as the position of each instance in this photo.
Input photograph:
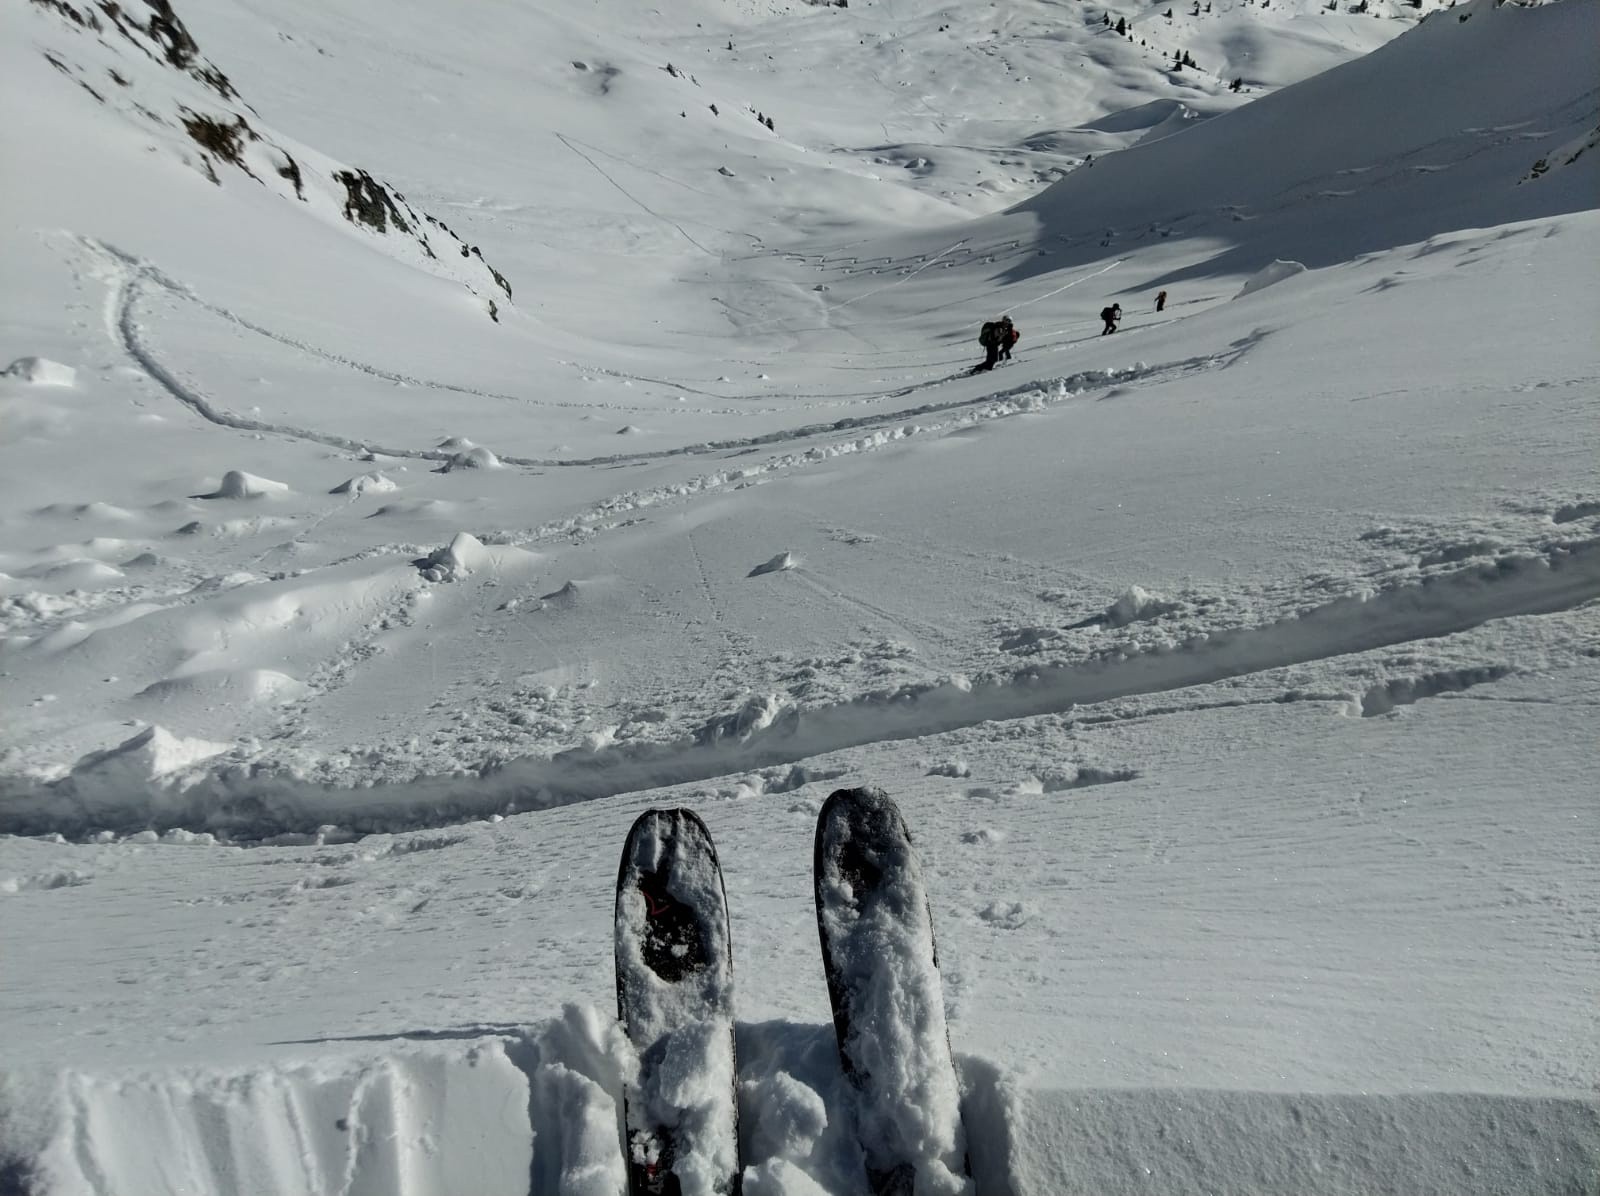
(1161, 301)
(996, 337)
(1110, 315)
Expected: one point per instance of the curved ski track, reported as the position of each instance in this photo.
(128, 276)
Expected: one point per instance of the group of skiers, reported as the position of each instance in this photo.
(998, 336)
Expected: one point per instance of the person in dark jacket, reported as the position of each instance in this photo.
(1161, 301)
(996, 337)
(1110, 315)
(1009, 336)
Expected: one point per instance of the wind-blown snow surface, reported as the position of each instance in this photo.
(1237, 673)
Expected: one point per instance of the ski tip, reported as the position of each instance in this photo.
(675, 821)
(665, 827)
(862, 797)
(864, 804)
(669, 814)
(863, 815)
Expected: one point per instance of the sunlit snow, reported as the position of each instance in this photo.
(431, 435)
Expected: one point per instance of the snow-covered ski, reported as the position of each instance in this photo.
(888, 1011)
(675, 1000)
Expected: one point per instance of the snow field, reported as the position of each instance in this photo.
(1113, 891)
(1235, 673)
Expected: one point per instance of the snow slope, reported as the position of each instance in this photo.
(1235, 673)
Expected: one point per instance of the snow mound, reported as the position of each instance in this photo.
(456, 559)
(778, 564)
(238, 484)
(429, 508)
(1134, 606)
(366, 483)
(466, 554)
(1268, 275)
(476, 457)
(153, 755)
(74, 573)
(566, 597)
(44, 881)
(252, 686)
(41, 371)
(755, 714)
(86, 510)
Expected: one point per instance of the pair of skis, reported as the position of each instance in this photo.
(675, 999)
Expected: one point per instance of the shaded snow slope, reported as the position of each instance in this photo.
(1405, 143)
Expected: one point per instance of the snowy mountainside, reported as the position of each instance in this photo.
(154, 76)
(184, 294)
(1235, 672)
(1393, 168)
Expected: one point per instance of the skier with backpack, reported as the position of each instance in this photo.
(1110, 315)
(996, 337)
(1009, 337)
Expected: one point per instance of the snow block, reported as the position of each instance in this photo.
(431, 1121)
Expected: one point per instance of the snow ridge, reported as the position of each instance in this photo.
(248, 806)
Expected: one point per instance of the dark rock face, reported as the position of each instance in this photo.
(367, 202)
(160, 69)
(219, 140)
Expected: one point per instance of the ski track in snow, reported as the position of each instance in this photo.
(249, 807)
(127, 275)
